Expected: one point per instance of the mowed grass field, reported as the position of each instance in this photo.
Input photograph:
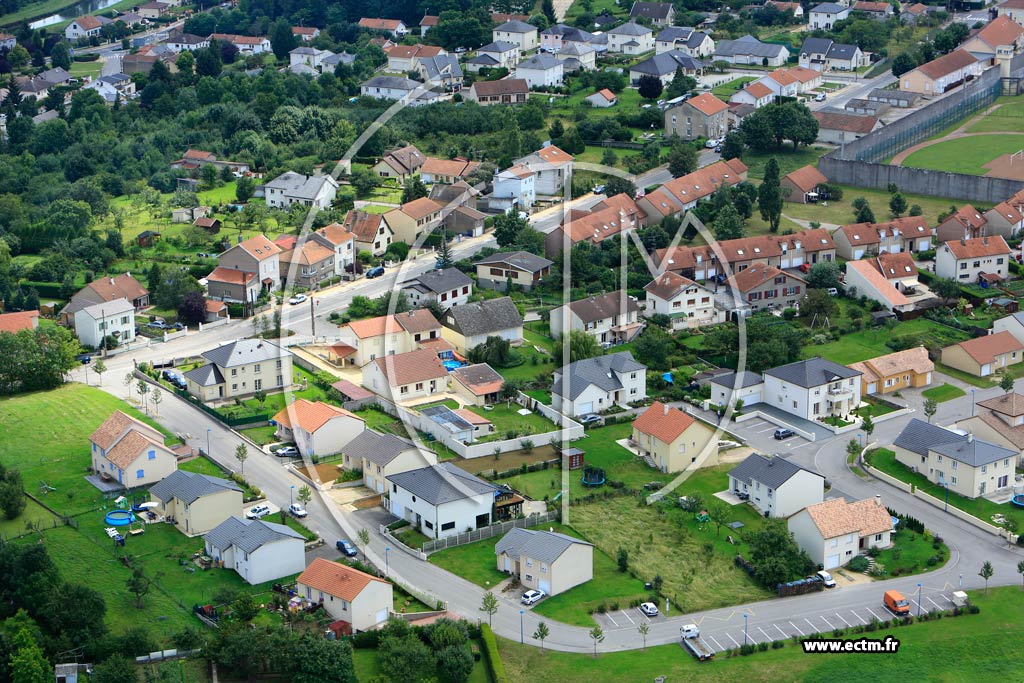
(858, 346)
(965, 155)
(951, 649)
(1009, 117)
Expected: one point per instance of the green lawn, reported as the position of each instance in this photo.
(262, 435)
(530, 368)
(367, 664)
(82, 69)
(910, 554)
(474, 562)
(965, 155)
(34, 514)
(449, 403)
(942, 393)
(788, 161)
(542, 395)
(219, 195)
(202, 465)
(726, 90)
(51, 441)
(982, 508)
(594, 154)
(1009, 117)
(954, 649)
(874, 409)
(869, 343)
(506, 419)
(841, 212)
(411, 537)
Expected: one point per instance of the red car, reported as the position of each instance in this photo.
(806, 267)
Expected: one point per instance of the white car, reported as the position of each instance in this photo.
(820, 97)
(712, 143)
(297, 510)
(690, 631)
(649, 609)
(532, 596)
(257, 511)
(297, 299)
(827, 579)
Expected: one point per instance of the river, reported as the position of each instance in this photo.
(71, 11)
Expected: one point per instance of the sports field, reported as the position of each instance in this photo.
(973, 155)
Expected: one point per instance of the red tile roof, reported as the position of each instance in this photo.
(947, 64)
(1000, 31)
(985, 349)
(335, 579)
(977, 247)
(806, 178)
(310, 415)
(707, 104)
(408, 368)
(663, 422)
(22, 320)
(380, 24)
(231, 276)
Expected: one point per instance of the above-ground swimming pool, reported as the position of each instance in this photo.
(119, 517)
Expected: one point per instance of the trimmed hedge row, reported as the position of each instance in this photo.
(490, 647)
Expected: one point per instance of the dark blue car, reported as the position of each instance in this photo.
(346, 548)
(375, 272)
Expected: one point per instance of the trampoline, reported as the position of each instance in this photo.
(593, 476)
(1017, 500)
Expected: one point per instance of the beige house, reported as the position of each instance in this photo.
(834, 532)
(316, 428)
(1004, 220)
(703, 116)
(967, 260)
(685, 302)
(940, 74)
(966, 464)
(999, 420)
(477, 384)
(467, 326)
(196, 502)
(130, 452)
(364, 602)
(404, 376)
(545, 560)
(802, 185)
(413, 219)
(518, 33)
(240, 368)
(908, 369)
(984, 356)
(399, 163)
(255, 255)
(379, 455)
(762, 286)
(388, 335)
(611, 318)
(673, 439)
(1002, 31)
(522, 268)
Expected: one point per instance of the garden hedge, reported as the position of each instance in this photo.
(490, 647)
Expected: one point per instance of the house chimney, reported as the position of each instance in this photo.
(665, 408)
(970, 438)
(878, 500)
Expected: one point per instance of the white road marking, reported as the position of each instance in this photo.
(717, 644)
(749, 636)
(626, 614)
(806, 443)
(767, 637)
(874, 615)
(858, 616)
(841, 617)
(762, 431)
(614, 623)
(797, 630)
(733, 640)
(784, 635)
(827, 622)
(933, 602)
(814, 629)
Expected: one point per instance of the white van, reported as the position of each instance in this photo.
(827, 579)
(689, 631)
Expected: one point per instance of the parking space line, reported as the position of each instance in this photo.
(767, 637)
(750, 636)
(717, 644)
(933, 602)
(733, 640)
(806, 443)
(762, 431)
(828, 622)
(780, 631)
(614, 623)
(626, 614)
(814, 629)
(858, 616)
(873, 614)
(841, 617)
(797, 630)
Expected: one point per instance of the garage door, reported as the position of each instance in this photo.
(584, 408)
(831, 561)
(986, 370)
(752, 399)
(857, 253)
(545, 586)
(797, 261)
(873, 388)
(381, 616)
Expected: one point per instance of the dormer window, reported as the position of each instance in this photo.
(739, 252)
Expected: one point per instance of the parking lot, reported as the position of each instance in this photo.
(758, 433)
(631, 617)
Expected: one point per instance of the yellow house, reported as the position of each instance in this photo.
(349, 595)
(984, 356)
(414, 218)
(545, 560)
(381, 455)
(130, 452)
(196, 502)
(673, 439)
(910, 368)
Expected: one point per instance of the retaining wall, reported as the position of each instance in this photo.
(892, 481)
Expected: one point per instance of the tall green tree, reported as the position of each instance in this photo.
(728, 224)
(680, 84)
(547, 7)
(649, 87)
(581, 346)
(682, 158)
(769, 195)
(897, 205)
(414, 188)
(445, 258)
(282, 40)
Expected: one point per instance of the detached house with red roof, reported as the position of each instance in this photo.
(360, 601)
(602, 98)
(968, 260)
(1004, 220)
(405, 376)
(763, 286)
(385, 335)
(984, 356)
(553, 169)
(834, 532)
(307, 264)
(414, 218)
(674, 440)
(130, 452)
(370, 230)
(21, 320)
(256, 256)
(395, 27)
(964, 223)
(802, 185)
(703, 116)
(317, 428)
(890, 279)
(85, 27)
(686, 303)
(106, 290)
(755, 94)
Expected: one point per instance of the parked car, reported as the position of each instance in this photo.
(159, 325)
(532, 596)
(375, 272)
(346, 548)
(257, 511)
(297, 510)
(782, 434)
(649, 609)
(832, 291)
(712, 143)
(820, 97)
(174, 378)
(689, 631)
(805, 268)
(297, 299)
(590, 419)
(826, 578)
(287, 452)
(84, 358)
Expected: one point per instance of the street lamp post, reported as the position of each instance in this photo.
(945, 507)
(387, 568)
(919, 600)
(744, 629)
(972, 402)
(522, 634)
(291, 495)
(208, 430)
(961, 580)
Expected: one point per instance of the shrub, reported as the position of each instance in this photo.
(777, 644)
(762, 647)
(858, 564)
(747, 649)
(490, 647)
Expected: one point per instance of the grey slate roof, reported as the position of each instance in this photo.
(391, 82)
(441, 67)
(522, 260)
(569, 33)
(630, 28)
(447, 418)
(542, 546)
(599, 371)
(747, 379)
(667, 63)
(650, 10)
(380, 449)
(483, 60)
(438, 281)
(248, 535)
(603, 306)
(243, 352)
(498, 47)
(483, 317)
(542, 61)
(920, 437)
(841, 51)
(298, 185)
(816, 45)
(440, 484)
(747, 45)
(828, 8)
(812, 372)
(190, 486)
(772, 472)
(516, 26)
(205, 375)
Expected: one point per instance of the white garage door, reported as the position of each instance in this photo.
(381, 616)
(831, 561)
(873, 387)
(545, 586)
(584, 408)
(797, 262)
(857, 253)
(752, 399)
(986, 370)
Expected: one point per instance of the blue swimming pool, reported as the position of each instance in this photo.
(450, 365)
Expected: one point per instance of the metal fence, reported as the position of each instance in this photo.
(488, 532)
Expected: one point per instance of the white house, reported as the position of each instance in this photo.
(596, 384)
(441, 500)
(1014, 324)
(969, 260)
(130, 452)
(446, 287)
(396, 88)
(308, 56)
(813, 389)
(294, 188)
(114, 318)
(498, 54)
(775, 485)
(404, 376)
(361, 601)
(517, 32)
(317, 428)
(681, 299)
(471, 324)
(602, 99)
(630, 39)
(541, 70)
(514, 187)
(727, 389)
(84, 27)
(833, 532)
(825, 15)
(611, 318)
(259, 551)
(553, 168)
(691, 41)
